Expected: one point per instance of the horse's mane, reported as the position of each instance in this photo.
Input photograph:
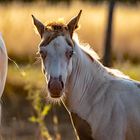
(117, 73)
(88, 50)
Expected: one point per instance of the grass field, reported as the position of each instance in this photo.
(21, 41)
(17, 28)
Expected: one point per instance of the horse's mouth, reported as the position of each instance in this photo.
(55, 96)
(55, 92)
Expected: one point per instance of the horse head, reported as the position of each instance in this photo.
(56, 51)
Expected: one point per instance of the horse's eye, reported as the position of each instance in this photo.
(69, 54)
(43, 54)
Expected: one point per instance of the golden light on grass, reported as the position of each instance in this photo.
(16, 25)
(21, 40)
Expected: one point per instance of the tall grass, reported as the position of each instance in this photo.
(41, 110)
(17, 28)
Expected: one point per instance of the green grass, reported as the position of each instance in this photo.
(32, 75)
(130, 69)
(20, 81)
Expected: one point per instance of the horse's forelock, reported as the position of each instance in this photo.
(56, 26)
(53, 30)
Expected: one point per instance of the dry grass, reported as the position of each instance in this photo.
(21, 41)
(16, 26)
(129, 69)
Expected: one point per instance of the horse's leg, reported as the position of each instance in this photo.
(82, 127)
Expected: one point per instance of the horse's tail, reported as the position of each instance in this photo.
(3, 67)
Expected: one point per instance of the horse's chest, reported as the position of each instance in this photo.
(82, 127)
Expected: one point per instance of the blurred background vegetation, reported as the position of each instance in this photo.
(21, 42)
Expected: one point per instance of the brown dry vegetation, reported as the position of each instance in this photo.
(16, 26)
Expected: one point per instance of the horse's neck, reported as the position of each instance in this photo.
(84, 82)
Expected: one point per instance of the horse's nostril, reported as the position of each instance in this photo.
(62, 84)
(55, 86)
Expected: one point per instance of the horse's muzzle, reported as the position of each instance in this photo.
(55, 87)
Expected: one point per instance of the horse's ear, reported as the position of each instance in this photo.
(73, 24)
(39, 26)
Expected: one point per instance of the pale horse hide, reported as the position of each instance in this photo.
(3, 67)
(104, 103)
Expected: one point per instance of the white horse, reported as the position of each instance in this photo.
(104, 103)
(3, 67)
